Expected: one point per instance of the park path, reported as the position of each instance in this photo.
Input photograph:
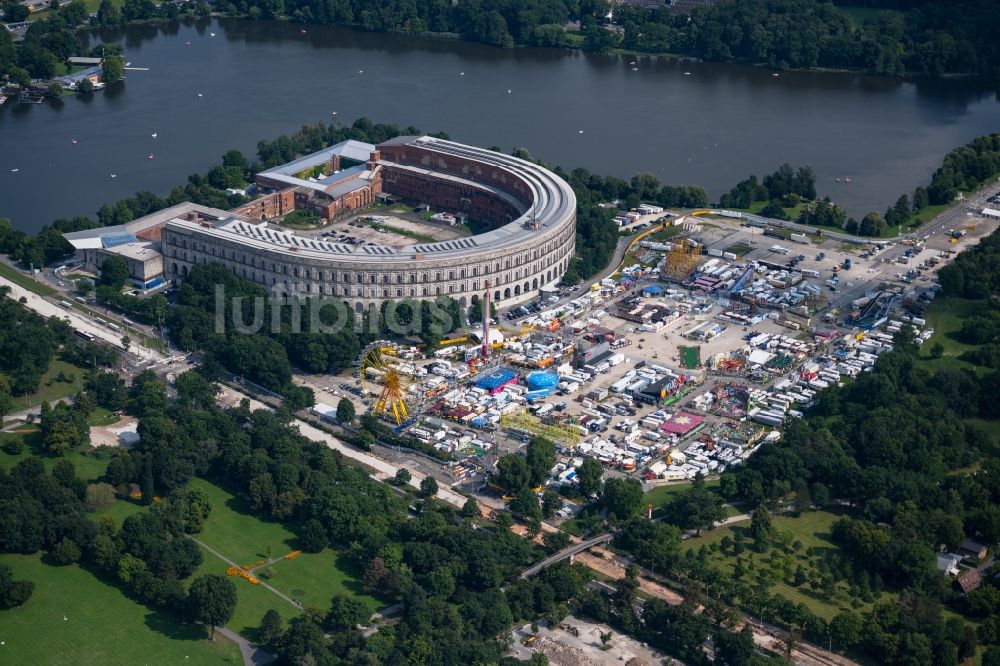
(228, 561)
(252, 655)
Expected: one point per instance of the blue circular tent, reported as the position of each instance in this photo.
(538, 381)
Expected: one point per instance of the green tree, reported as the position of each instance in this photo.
(65, 552)
(513, 472)
(13, 593)
(541, 457)
(85, 87)
(524, 504)
(346, 613)
(555, 541)
(846, 629)
(622, 497)
(345, 411)
(113, 68)
(402, 477)
(872, 225)
(588, 477)
(270, 628)
(313, 536)
(697, 508)
(114, 272)
(99, 496)
(734, 649)
(760, 525)
(54, 90)
(211, 600)
(428, 486)
(551, 502)
(470, 509)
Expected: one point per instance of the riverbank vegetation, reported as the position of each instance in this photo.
(963, 170)
(931, 39)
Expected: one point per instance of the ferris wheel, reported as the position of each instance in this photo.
(384, 382)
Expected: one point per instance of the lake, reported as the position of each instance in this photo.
(686, 122)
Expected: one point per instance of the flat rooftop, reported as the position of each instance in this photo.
(356, 151)
(103, 237)
(553, 202)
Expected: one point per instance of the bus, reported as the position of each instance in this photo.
(83, 335)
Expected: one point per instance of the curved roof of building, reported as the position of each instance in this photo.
(553, 204)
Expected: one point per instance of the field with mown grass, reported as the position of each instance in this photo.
(811, 531)
(310, 578)
(946, 315)
(74, 618)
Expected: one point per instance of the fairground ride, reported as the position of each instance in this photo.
(385, 380)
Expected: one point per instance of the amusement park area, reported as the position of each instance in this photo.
(684, 361)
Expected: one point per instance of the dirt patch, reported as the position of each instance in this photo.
(577, 642)
(119, 434)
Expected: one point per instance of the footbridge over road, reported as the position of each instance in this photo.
(568, 551)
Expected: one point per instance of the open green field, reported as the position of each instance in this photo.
(311, 578)
(662, 494)
(75, 618)
(51, 389)
(945, 315)
(757, 206)
(19, 278)
(861, 14)
(812, 530)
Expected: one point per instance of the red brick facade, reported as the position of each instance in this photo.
(270, 206)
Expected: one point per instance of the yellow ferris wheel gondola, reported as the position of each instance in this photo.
(382, 380)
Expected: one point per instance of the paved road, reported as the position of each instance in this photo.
(77, 319)
(228, 561)
(252, 655)
(382, 470)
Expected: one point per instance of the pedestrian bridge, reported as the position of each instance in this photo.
(568, 551)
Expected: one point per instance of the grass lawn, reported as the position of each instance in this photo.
(90, 466)
(102, 417)
(252, 601)
(311, 578)
(415, 235)
(29, 283)
(662, 494)
(757, 206)
(101, 625)
(861, 14)
(300, 219)
(812, 530)
(946, 315)
(50, 389)
(992, 428)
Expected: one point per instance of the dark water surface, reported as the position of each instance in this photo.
(686, 122)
